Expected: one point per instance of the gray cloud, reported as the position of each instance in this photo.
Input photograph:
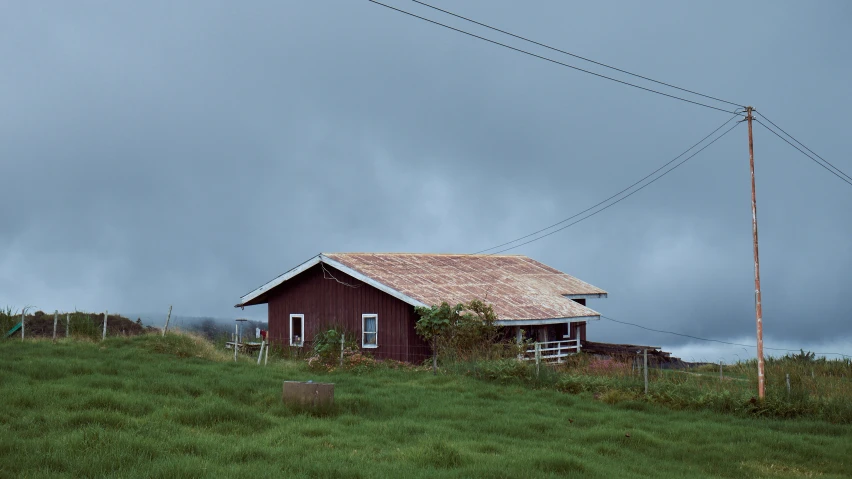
(184, 154)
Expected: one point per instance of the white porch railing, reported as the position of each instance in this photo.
(552, 351)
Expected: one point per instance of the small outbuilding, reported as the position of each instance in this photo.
(374, 295)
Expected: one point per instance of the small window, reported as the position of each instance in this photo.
(370, 331)
(297, 330)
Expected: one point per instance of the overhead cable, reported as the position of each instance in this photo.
(550, 59)
(574, 55)
(711, 340)
(622, 198)
(804, 153)
(613, 196)
(802, 145)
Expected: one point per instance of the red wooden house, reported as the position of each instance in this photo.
(374, 295)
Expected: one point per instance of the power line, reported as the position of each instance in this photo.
(802, 144)
(676, 334)
(613, 196)
(631, 186)
(550, 59)
(573, 54)
(803, 152)
(706, 339)
(624, 197)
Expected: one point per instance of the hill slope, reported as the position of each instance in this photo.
(175, 407)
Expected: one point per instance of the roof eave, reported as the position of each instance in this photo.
(543, 321)
(247, 300)
(585, 296)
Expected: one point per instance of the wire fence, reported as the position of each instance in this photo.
(58, 325)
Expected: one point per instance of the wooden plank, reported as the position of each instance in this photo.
(168, 318)
(557, 349)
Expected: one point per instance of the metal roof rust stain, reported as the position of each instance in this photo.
(518, 287)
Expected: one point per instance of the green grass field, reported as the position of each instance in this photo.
(173, 407)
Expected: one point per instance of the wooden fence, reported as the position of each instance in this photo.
(552, 351)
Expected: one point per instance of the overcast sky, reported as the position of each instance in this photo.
(184, 153)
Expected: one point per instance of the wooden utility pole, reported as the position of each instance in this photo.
(758, 309)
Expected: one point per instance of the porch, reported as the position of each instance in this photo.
(552, 351)
(552, 343)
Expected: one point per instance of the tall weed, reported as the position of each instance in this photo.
(819, 388)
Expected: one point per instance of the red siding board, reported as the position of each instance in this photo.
(326, 301)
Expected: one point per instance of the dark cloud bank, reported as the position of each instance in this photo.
(184, 154)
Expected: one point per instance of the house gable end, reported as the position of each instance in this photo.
(323, 298)
(262, 294)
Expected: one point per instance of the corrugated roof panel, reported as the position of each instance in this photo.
(518, 287)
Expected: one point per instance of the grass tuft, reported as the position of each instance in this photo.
(440, 455)
(182, 345)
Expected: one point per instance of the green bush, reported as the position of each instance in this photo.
(464, 332)
(327, 344)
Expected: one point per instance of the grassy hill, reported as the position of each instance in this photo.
(78, 323)
(149, 406)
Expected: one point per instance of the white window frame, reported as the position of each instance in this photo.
(364, 333)
(290, 327)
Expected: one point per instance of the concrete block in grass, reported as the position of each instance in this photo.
(308, 394)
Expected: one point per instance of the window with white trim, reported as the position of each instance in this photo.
(369, 330)
(297, 330)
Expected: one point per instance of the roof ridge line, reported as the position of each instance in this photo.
(433, 254)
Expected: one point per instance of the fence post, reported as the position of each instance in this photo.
(67, 324)
(105, 324)
(342, 340)
(537, 358)
(22, 325)
(236, 338)
(788, 384)
(266, 356)
(260, 353)
(720, 371)
(55, 320)
(519, 340)
(646, 370)
(577, 335)
(168, 318)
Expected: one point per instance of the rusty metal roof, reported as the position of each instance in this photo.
(519, 288)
